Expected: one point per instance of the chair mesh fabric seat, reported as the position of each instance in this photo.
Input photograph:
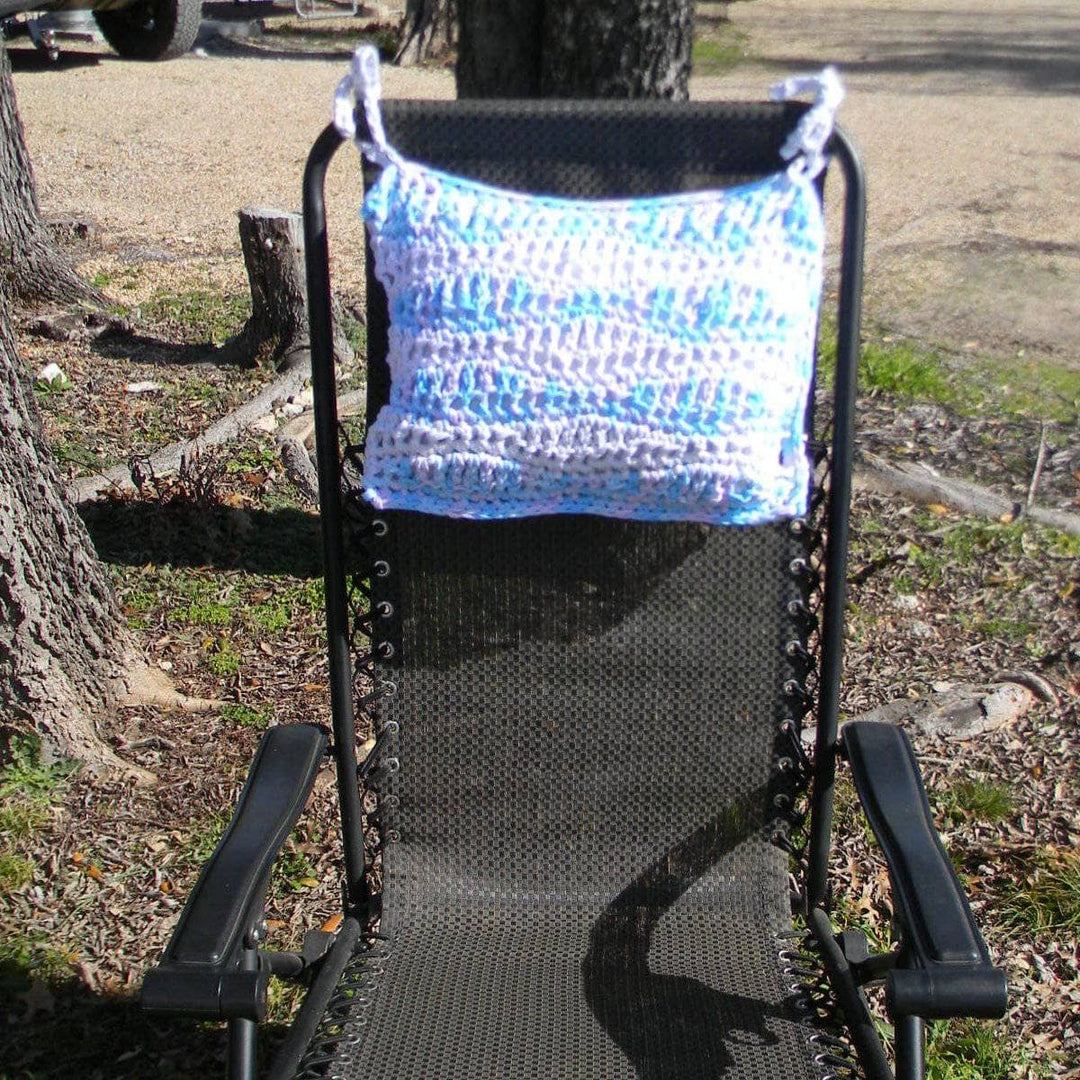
(584, 728)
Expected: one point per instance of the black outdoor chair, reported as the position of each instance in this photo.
(604, 848)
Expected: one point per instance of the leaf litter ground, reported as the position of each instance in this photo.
(218, 575)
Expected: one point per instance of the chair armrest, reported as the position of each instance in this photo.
(204, 971)
(944, 968)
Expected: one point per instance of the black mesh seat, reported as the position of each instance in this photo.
(579, 783)
(602, 847)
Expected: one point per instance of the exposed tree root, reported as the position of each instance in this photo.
(962, 710)
(296, 444)
(148, 686)
(923, 484)
(168, 459)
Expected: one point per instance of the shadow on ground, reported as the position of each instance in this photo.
(184, 533)
(1035, 68)
(1039, 54)
(61, 1030)
(132, 346)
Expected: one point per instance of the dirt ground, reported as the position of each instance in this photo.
(965, 115)
(964, 112)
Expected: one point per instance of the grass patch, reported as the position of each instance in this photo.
(20, 819)
(974, 800)
(203, 613)
(969, 541)
(69, 450)
(970, 1050)
(194, 599)
(222, 657)
(903, 370)
(202, 837)
(120, 279)
(199, 315)
(914, 371)
(293, 871)
(355, 334)
(903, 585)
(33, 955)
(255, 603)
(1034, 387)
(718, 50)
(1047, 900)
(1003, 628)
(26, 774)
(272, 617)
(27, 788)
(16, 870)
(252, 459)
(719, 45)
(248, 716)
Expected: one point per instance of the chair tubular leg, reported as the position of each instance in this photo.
(285, 1064)
(243, 1033)
(910, 1047)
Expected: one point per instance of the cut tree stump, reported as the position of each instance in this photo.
(277, 332)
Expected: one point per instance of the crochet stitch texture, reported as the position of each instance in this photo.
(640, 358)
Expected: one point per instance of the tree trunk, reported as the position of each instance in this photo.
(65, 651)
(420, 28)
(575, 48)
(499, 44)
(278, 331)
(32, 267)
(617, 48)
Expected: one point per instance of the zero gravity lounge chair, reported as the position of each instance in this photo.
(585, 582)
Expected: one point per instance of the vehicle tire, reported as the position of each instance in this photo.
(151, 29)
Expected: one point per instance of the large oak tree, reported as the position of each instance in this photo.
(557, 48)
(33, 266)
(574, 48)
(66, 657)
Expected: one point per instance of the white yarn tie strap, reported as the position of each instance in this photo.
(805, 146)
(362, 86)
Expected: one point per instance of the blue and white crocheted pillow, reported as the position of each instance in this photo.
(638, 358)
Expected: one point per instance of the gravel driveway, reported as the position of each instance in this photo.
(965, 112)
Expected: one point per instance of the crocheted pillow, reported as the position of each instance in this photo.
(637, 358)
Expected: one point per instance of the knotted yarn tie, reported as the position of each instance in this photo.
(362, 85)
(805, 146)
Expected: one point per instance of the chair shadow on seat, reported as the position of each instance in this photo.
(671, 1027)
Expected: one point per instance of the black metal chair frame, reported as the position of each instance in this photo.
(214, 966)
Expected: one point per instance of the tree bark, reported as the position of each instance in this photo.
(574, 48)
(66, 657)
(420, 28)
(499, 48)
(617, 48)
(32, 267)
(278, 331)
